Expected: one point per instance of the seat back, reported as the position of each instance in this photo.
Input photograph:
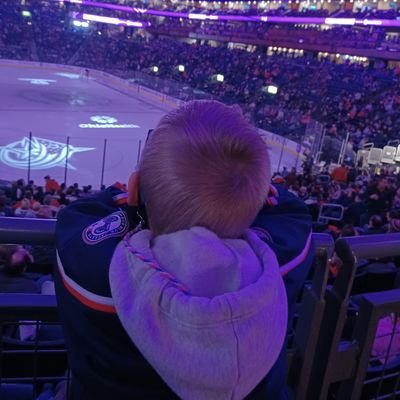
(375, 156)
(388, 155)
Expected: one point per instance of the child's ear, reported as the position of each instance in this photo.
(133, 190)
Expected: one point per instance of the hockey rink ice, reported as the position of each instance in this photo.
(54, 105)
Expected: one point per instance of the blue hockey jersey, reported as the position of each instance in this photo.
(104, 361)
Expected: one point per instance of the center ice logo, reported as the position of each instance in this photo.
(45, 153)
(105, 121)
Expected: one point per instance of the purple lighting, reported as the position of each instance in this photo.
(109, 20)
(227, 17)
(99, 5)
(295, 20)
(202, 16)
(340, 21)
(372, 22)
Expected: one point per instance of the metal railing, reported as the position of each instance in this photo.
(324, 364)
(376, 372)
(37, 231)
(35, 362)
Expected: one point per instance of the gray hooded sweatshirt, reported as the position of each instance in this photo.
(218, 337)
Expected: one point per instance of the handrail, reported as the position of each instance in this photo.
(27, 230)
(375, 246)
(41, 232)
(346, 363)
(37, 231)
(15, 306)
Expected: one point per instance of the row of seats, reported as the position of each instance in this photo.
(341, 347)
(376, 155)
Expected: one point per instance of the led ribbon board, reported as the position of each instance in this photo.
(109, 20)
(227, 17)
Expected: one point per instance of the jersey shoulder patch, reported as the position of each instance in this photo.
(262, 233)
(115, 224)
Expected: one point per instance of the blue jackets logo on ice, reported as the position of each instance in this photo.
(115, 224)
(38, 153)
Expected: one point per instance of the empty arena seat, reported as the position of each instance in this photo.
(388, 155)
(329, 212)
(375, 156)
(397, 156)
(375, 277)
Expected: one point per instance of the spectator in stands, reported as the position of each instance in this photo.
(39, 194)
(17, 191)
(14, 261)
(24, 210)
(284, 172)
(393, 218)
(375, 226)
(348, 231)
(355, 211)
(87, 191)
(45, 210)
(198, 214)
(5, 209)
(339, 174)
(303, 193)
(31, 187)
(63, 199)
(379, 197)
(396, 199)
(27, 196)
(291, 178)
(51, 185)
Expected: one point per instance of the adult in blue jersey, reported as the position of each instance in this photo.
(190, 304)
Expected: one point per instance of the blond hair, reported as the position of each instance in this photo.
(204, 165)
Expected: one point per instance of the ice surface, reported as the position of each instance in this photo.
(54, 105)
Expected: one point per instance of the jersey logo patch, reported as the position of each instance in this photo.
(263, 234)
(115, 224)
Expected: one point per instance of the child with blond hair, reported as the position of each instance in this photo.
(173, 292)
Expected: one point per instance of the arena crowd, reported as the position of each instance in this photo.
(371, 202)
(359, 100)
(345, 97)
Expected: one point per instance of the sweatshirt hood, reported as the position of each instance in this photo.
(209, 314)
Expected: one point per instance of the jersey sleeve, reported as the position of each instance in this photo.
(286, 225)
(87, 232)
